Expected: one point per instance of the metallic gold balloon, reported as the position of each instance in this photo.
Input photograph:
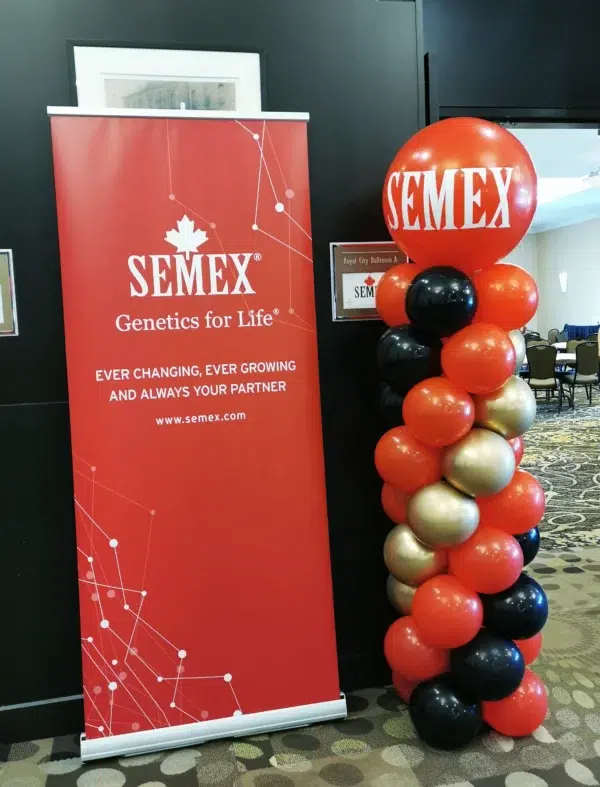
(441, 517)
(481, 463)
(518, 341)
(400, 595)
(411, 562)
(510, 410)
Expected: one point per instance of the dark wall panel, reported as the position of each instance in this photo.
(38, 587)
(515, 53)
(353, 65)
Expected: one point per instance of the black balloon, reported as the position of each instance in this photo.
(529, 543)
(488, 667)
(442, 717)
(441, 300)
(390, 406)
(519, 612)
(406, 356)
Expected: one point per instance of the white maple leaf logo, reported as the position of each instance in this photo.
(185, 238)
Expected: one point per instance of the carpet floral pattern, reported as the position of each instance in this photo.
(563, 452)
(377, 746)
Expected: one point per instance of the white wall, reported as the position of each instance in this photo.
(576, 250)
(525, 255)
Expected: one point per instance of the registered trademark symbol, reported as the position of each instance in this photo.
(275, 311)
(257, 257)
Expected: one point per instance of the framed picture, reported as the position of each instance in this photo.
(147, 78)
(8, 304)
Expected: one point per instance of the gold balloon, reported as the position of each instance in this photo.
(510, 410)
(441, 517)
(400, 595)
(411, 562)
(481, 463)
(518, 341)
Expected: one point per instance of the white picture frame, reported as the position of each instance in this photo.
(8, 296)
(171, 79)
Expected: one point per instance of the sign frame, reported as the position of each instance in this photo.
(337, 303)
(12, 296)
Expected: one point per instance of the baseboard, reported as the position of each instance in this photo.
(33, 721)
(364, 670)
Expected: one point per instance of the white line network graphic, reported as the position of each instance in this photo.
(152, 697)
(279, 207)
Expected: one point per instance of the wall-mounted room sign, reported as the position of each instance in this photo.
(356, 269)
(8, 303)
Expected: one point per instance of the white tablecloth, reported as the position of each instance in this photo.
(561, 359)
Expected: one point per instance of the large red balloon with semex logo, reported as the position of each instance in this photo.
(461, 192)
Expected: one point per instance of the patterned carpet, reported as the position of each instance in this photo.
(563, 451)
(376, 745)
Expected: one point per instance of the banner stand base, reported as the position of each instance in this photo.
(199, 732)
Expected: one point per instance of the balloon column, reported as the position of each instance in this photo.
(457, 198)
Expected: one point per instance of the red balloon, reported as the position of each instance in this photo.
(479, 358)
(522, 712)
(446, 613)
(461, 192)
(403, 687)
(518, 446)
(407, 654)
(488, 562)
(438, 412)
(406, 463)
(530, 648)
(506, 296)
(517, 508)
(394, 504)
(390, 295)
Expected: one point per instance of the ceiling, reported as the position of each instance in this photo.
(562, 157)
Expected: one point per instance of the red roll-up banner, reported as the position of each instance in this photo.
(204, 573)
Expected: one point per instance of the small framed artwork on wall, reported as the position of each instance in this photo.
(123, 77)
(8, 304)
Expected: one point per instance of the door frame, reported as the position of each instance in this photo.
(553, 116)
